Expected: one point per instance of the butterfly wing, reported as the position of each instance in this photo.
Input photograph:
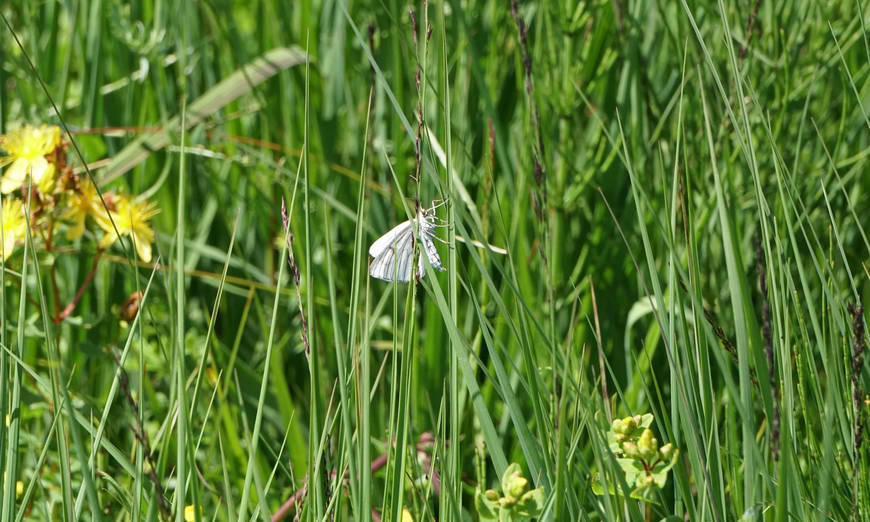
(387, 240)
(394, 260)
(430, 252)
(394, 251)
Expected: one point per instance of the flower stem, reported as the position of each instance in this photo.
(81, 291)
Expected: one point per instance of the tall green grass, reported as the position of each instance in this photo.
(681, 189)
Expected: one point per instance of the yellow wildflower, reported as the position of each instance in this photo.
(189, 513)
(406, 516)
(130, 218)
(27, 147)
(14, 225)
(79, 205)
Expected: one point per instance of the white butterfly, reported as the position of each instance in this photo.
(394, 251)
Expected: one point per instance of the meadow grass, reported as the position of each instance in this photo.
(677, 188)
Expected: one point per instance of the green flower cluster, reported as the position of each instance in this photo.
(517, 501)
(644, 462)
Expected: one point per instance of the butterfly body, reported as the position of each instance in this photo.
(394, 251)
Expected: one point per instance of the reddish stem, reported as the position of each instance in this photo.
(81, 291)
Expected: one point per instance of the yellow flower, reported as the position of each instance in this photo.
(13, 224)
(27, 147)
(79, 205)
(406, 516)
(130, 217)
(189, 513)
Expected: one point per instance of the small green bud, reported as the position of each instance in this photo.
(647, 444)
(617, 426)
(486, 505)
(638, 419)
(647, 481)
(619, 437)
(516, 485)
(630, 450)
(666, 451)
(630, 424)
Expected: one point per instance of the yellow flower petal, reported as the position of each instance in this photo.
(76, 228)
(143, 248)
(14, 176)
(108, 239)
(13, 225)
(43, 175)
(8, 240)
(128, 218)
(26, 148)
(38, 168)
(29, 141)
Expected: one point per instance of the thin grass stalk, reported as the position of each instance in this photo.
(314, 464)
(7, 383)
(179, 346)
(356, 460)
(12, 430)
(359, 350)
(346, 406)
(451, 496)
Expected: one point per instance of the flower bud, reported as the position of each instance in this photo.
(647, 481)
(617, 426)
(647, 444)
(491, 494)
(630, 450)
(666, 451)
(516, 485)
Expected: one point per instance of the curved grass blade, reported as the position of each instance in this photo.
(238, 83)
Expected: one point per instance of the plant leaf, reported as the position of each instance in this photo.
(486, 508)
(531, 504)
(660, 471)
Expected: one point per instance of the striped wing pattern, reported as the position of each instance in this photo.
(387, 240)
(430, 250)
(394, 252)
(394, 261)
